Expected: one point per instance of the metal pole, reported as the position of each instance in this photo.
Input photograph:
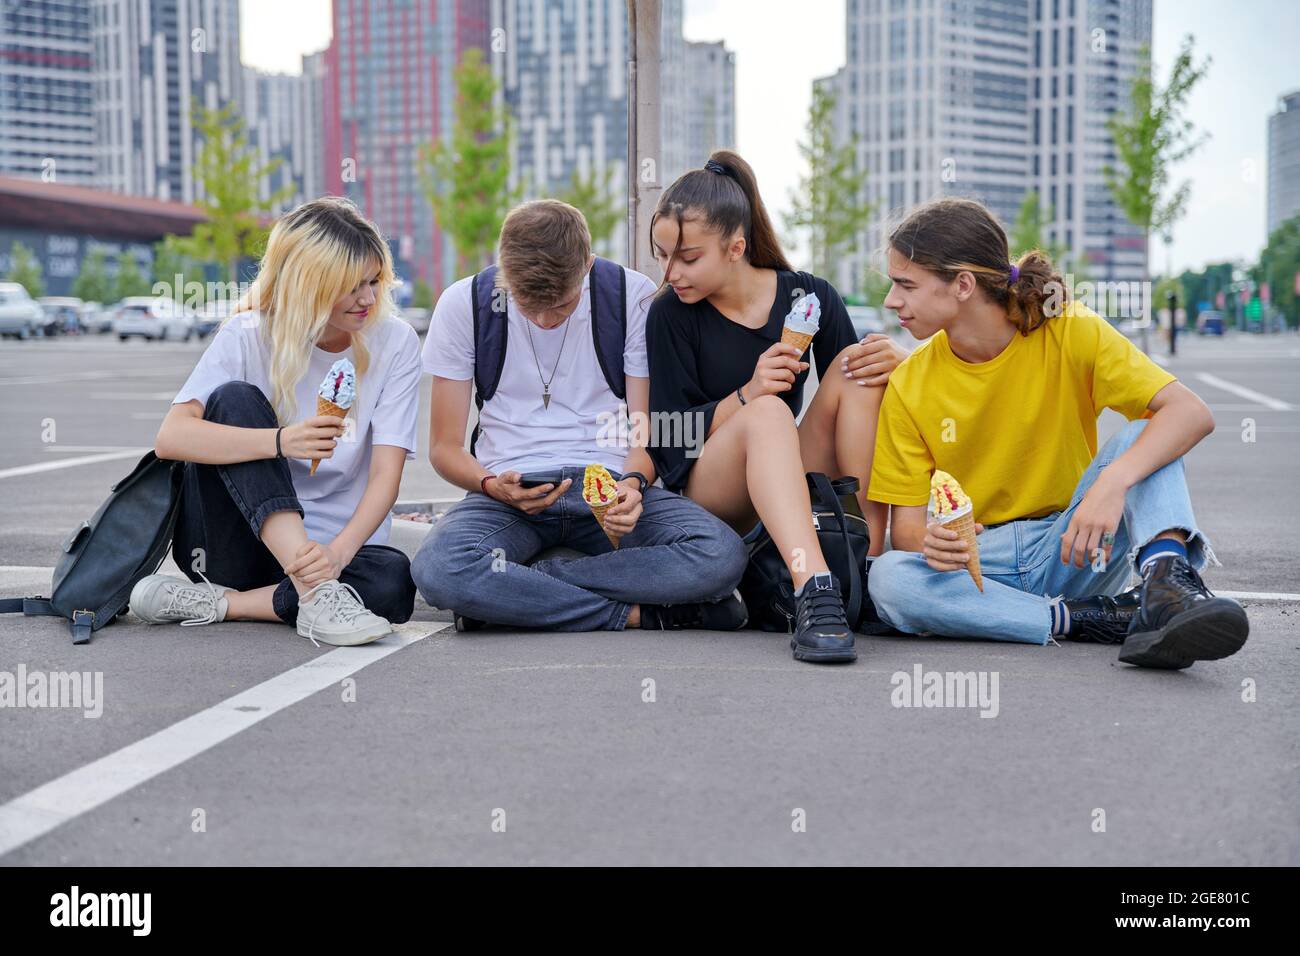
(645, 19)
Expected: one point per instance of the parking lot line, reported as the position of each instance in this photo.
(1248, 393)
(37, 812)
(70, 462)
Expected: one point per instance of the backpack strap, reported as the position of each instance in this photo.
(609, 321)
(490, 334)
(31, 606)
(827, 493)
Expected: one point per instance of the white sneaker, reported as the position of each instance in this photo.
(163, 599)
(332, 612)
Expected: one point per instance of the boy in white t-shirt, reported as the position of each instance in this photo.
(260, 535)
(548, 410)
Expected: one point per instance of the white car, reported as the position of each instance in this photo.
(20, 315)
(152, 318)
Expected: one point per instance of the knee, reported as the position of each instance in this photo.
(392, 592)
(238, 402)
(767, 411)
(727, 556)
(442, 570)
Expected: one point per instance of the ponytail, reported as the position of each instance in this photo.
(948, 236)
(724, 194)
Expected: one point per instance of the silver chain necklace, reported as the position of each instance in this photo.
(546, 382)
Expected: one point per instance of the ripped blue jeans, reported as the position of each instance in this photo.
(1021, 562)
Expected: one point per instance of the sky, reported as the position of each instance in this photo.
(1254, 47)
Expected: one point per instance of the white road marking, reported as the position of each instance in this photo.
(1258, 595)
(1248, 393)
(67, 449)
(133, 396)
(37, 812)
(148, 416)
(91, 376)
(70, 462)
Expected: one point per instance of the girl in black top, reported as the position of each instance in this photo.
(716, 360)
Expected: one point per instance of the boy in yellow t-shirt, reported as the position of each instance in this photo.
(1005, 396)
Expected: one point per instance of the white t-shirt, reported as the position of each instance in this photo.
(583, 423)
(386, 411)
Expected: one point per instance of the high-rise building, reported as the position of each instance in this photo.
(151, 60)
(1284, 161)
(390, 89)
(988, 101)
(282, 112)
(564, 80)
(710, 107)
(47, 128)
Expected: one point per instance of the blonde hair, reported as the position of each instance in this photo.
(315, 255)
(543, 253)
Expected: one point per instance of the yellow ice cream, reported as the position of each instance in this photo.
(946, 495)
(598, 486)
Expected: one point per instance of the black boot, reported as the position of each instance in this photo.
(464, 624)
(1101, 619)
(821, 634)
(1180, 621)
(728, 614)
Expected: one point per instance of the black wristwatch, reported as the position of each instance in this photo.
(645, 482)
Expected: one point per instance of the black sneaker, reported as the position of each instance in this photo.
(1101, 619)
(464, 623)
(728, 614)
(821, 634)
(1180, 621)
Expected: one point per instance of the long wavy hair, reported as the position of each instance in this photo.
(315, 255)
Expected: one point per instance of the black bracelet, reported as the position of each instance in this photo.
(278, 453)
(741, 395)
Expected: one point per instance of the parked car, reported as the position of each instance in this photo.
(63, 315)
(20, 315)
(153, 318)
(97, 318)
(418, 318)
(1209, 323)
(211, 317)
(866, 319)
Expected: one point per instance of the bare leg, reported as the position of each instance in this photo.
(750, 468)
(838, 437)
(283, 534)
(254, 605)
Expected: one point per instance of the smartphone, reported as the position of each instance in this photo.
(537, 478)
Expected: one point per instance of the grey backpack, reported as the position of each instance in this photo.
(104, 556)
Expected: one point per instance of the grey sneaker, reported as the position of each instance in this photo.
(164, 599)
(332, 613)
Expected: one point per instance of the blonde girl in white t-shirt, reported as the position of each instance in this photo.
(260, 537)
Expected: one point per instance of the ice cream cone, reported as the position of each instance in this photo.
(799, 340)
(325, 407)
(598, 510)
(964, 524)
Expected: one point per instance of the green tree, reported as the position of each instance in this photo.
(1030, 230)
(229, 174)
(422, 295)
(875, 287)
(1204, 287)
(129, 279)
(1150, 137)
(828, 205)
(170, 260)
(1279, 265)
(465, 179)
(25, 269)
(595, 197)
(92, 283)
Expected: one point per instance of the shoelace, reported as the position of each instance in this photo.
(822, 606)
(187, 598)
(341, 601)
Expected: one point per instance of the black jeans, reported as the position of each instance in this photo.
(222, 509)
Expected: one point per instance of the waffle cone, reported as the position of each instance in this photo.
(800, 340)
(598, 510)
(964, 525)
(325, 407)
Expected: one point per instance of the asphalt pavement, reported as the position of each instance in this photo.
(243, 744)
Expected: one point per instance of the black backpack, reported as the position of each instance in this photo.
(845, 540)
(607, 294)
(103, 557)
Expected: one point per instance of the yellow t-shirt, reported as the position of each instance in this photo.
(1017, 431)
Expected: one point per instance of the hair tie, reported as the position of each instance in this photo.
(714, 166)
(1015, 275)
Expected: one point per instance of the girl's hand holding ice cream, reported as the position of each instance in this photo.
(775, 372)
(313, 438)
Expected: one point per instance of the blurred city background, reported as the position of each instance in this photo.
(1147, 146)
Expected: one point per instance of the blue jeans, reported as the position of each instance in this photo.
(223, 507)
(1021, 562)
(475, 561)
